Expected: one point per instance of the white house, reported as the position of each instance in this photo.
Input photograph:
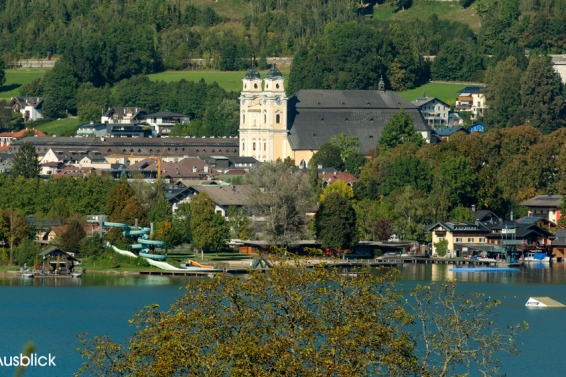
(435, 111)
(131, 115)
(162, 122)
(29, 107)
(472, 100)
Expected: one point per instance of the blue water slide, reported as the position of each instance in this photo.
(136, 232)
(146, 241)
(115, 225)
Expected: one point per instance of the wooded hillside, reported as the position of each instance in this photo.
(146, 35)
(335, 44)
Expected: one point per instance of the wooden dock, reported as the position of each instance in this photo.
(204, 273)
(454, 261)
(386, 261)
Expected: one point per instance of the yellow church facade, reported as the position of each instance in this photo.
(263, 116)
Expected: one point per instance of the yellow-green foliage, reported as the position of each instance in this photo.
(340, 187)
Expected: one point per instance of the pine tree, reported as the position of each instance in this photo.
(541, 95)
(72, 239)
(503, 93)
(335, 222)
(26, 162)
(2, 72)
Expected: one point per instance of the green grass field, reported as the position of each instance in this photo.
(63, 127)
(444, 91)
(445, 10)
(15, 78)
(230, 81)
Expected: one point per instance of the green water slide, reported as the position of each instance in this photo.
(144, 246)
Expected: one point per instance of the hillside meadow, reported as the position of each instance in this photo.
(15, 78)
(60, 127)
(422, 9)
(230, 81)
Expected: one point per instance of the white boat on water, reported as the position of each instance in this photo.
(539, 256)
(77, 273)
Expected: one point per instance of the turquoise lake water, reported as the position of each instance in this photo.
(52, 312)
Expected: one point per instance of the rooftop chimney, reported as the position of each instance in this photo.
(473, 208)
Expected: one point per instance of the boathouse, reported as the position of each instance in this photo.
(57, 261)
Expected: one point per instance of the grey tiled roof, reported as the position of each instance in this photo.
(315, 116)
(226, 195)
(543, 201)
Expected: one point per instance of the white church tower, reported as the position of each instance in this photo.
(263, 116)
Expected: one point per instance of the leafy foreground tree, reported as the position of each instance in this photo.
(280, 194)
(293, 321)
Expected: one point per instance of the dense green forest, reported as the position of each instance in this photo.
(101, 43)
(163, 33)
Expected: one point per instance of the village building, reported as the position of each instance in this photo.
(7, 138)
(57, 261)
(91, 129)
(444, 133)
(162, 122)
(128, 150)
(274, 126)
(545, 206)
(128, 115)
(473, 238)
(436, 112)
(29, 107)
(224, 196)
(472, 100)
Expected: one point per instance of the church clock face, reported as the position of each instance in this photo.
(278, 101)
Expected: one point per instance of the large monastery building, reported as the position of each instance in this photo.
(273, 126)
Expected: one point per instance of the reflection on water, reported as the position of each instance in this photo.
(552, 273)
(95, 279)
(532, 273)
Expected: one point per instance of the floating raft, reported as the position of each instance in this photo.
(543, 302)
(484, 269)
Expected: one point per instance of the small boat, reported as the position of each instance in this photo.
(484, 269)
(543, 302)
(539, 256)
(77, 273)
(25, 272)
(191, 265)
